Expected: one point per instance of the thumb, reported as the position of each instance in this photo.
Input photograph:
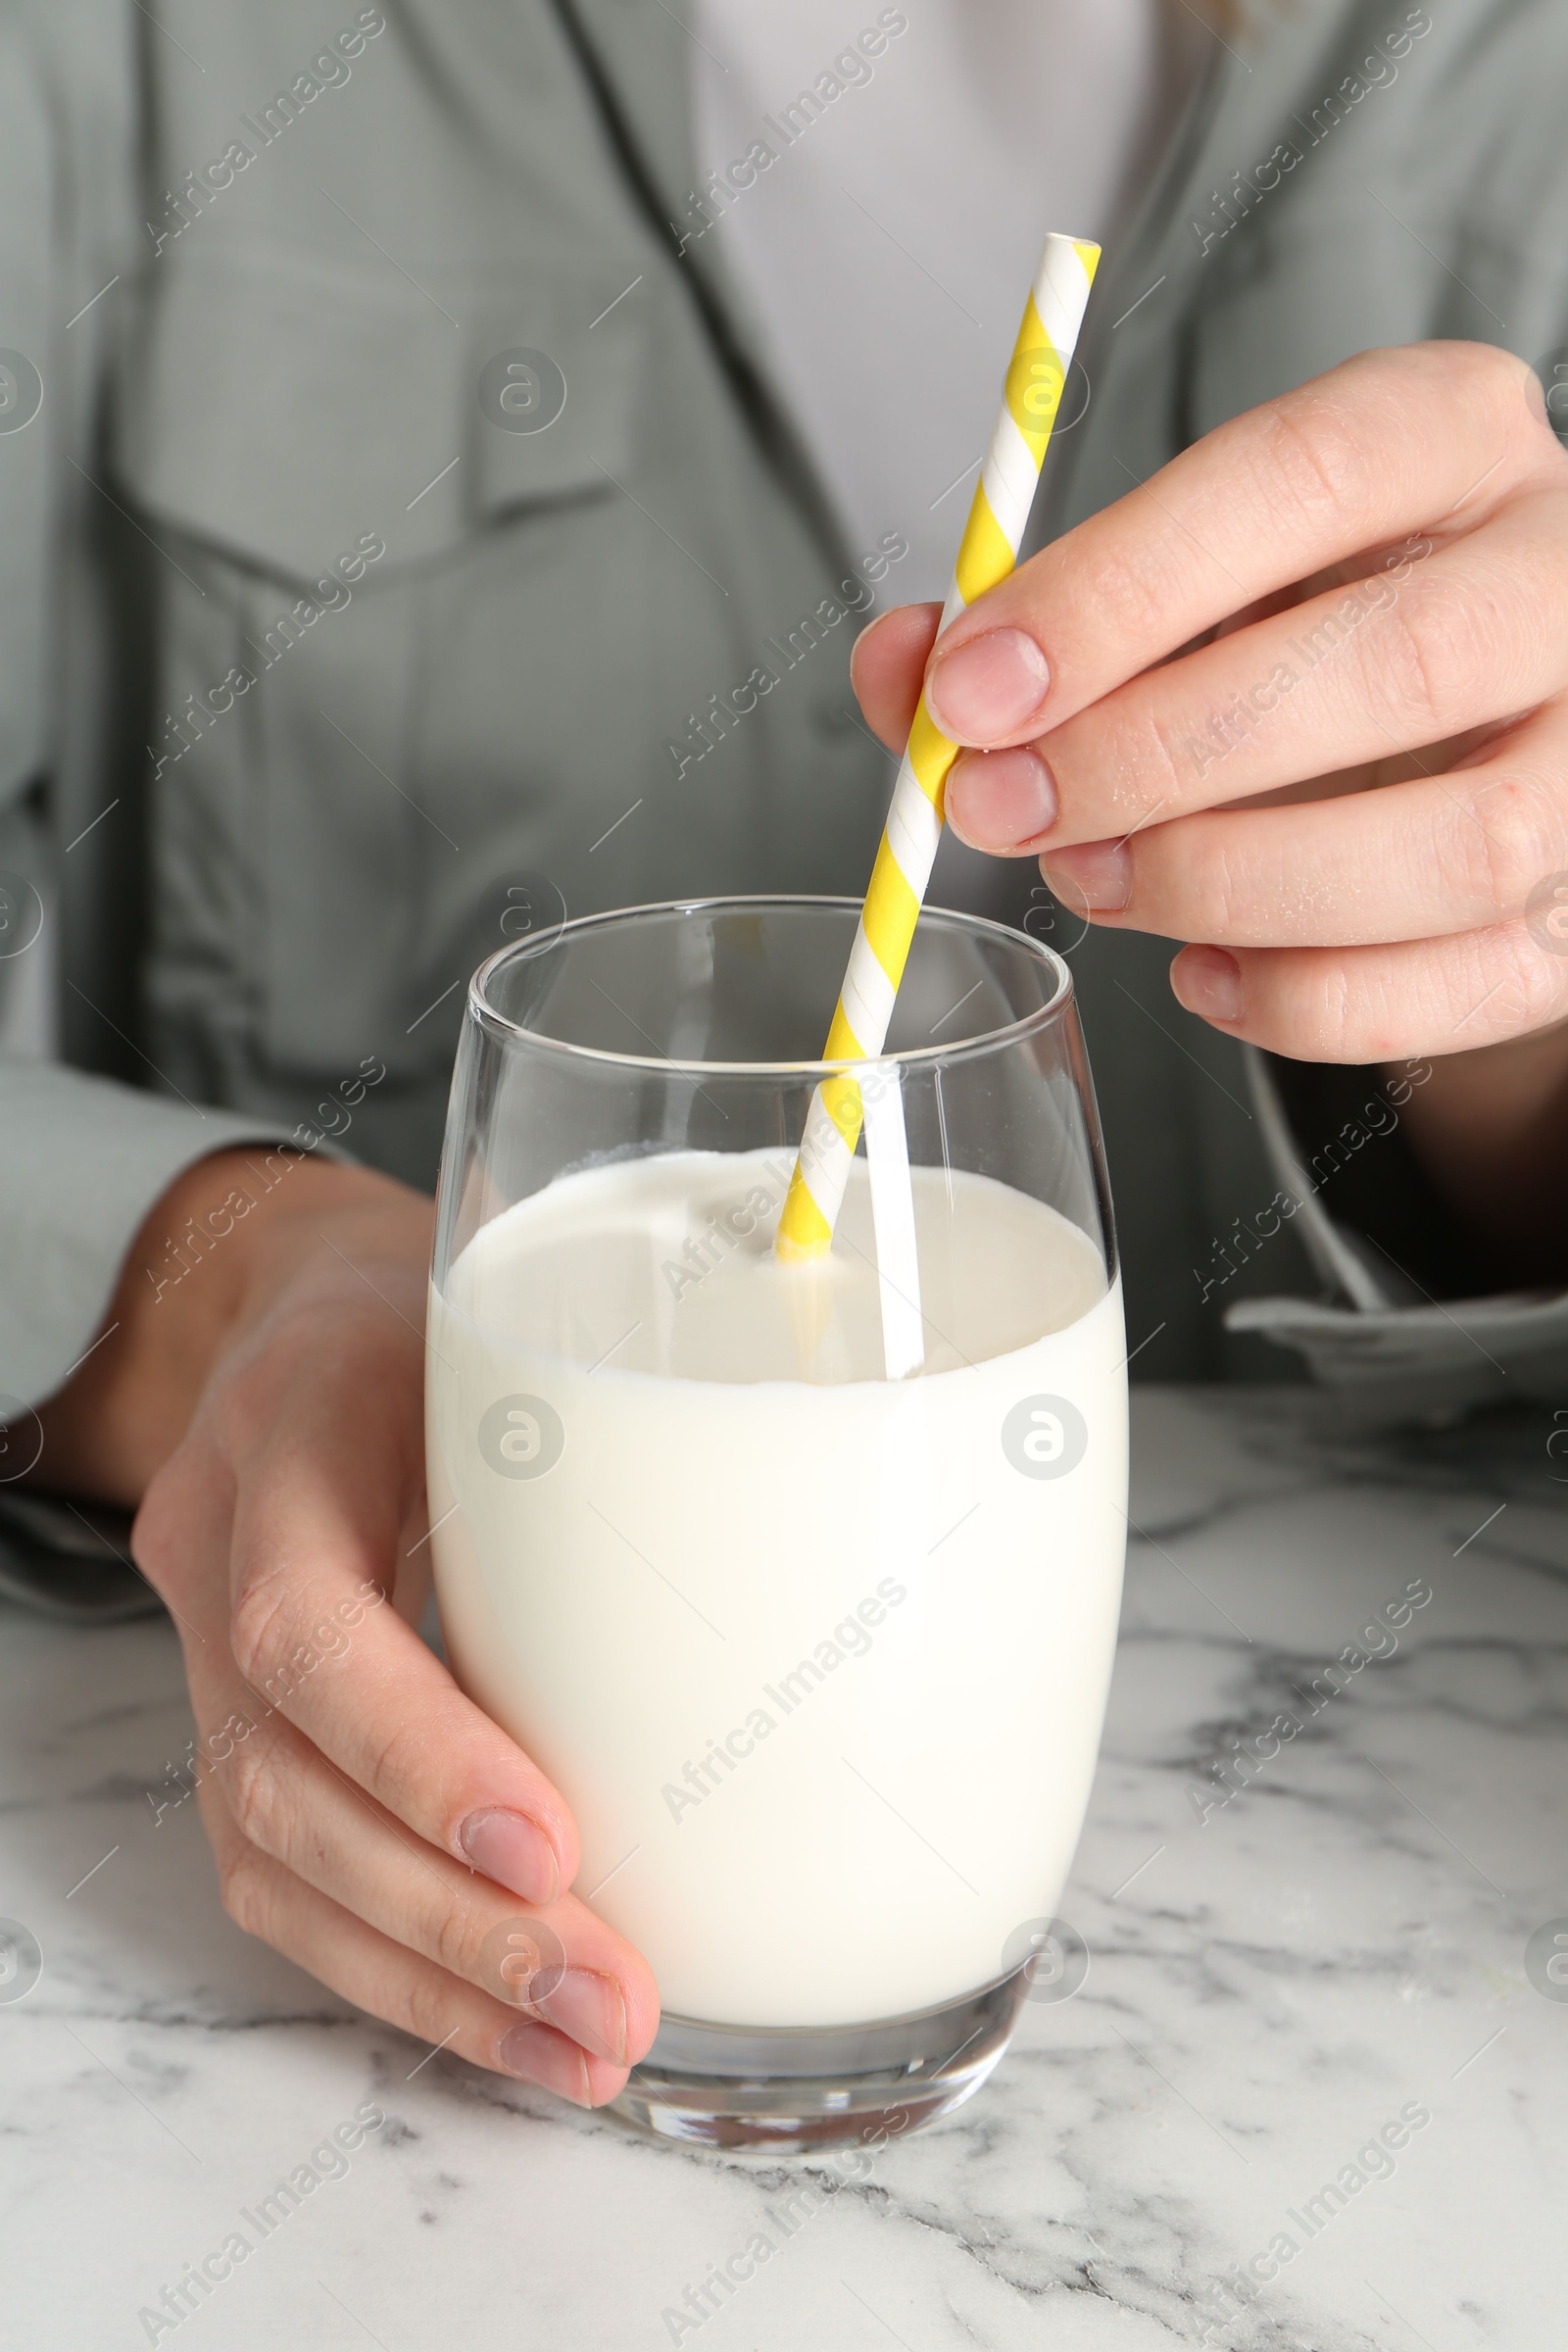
(887, 666)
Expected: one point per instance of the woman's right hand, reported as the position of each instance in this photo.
(367, 1819)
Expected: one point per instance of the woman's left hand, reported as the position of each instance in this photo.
(1302, 698)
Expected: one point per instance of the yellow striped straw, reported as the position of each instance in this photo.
(987, 552)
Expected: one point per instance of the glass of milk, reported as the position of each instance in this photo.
(800, 1580)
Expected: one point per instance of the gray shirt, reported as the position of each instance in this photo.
(318, 678)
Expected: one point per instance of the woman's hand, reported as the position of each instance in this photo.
(1303, 699)
(367, 1819)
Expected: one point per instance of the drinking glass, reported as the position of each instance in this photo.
(800, 1580)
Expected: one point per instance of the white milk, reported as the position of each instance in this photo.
(819, 1667)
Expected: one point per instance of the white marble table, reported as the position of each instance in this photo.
(1269, 1988)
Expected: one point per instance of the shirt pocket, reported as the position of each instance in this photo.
(269, 402)
(287, 419)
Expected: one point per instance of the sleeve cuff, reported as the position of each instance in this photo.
(81, 1161)
(1397, 1327)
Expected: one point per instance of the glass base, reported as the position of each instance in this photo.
(786, 2089)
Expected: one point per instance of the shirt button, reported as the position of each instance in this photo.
(836, 719)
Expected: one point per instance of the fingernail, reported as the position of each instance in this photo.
(539, 2054)
(592, 2009)
(1001, 800)
(515, 1851)
(1096, 875)
(1208, 982)
(989, 688)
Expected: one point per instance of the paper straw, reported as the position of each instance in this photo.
(987, 552)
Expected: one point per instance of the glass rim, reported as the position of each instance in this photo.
(488, 1016)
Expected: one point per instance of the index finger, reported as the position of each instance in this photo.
(1388, 444)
